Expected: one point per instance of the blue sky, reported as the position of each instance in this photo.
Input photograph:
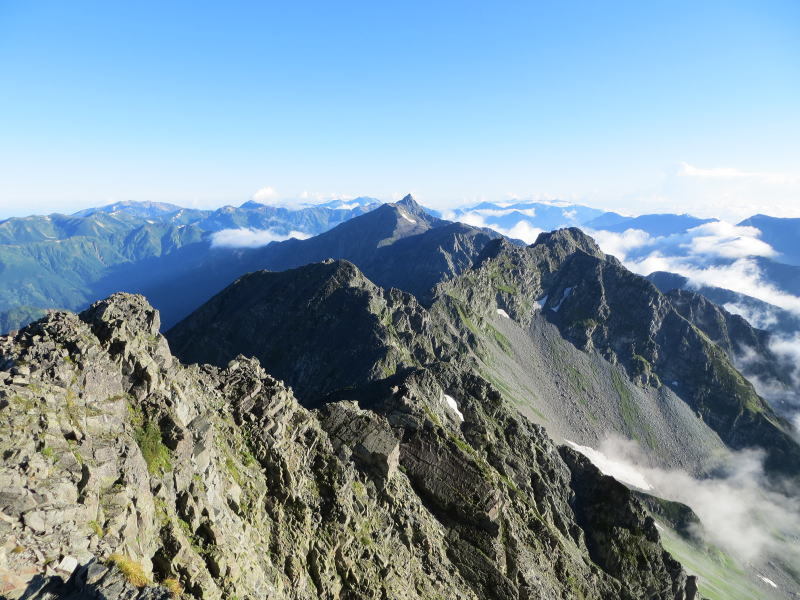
(637, 106)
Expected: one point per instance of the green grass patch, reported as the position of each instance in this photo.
(501, 340)
(462, 315)
(508, 289)
(155, 453)
(627, 409)
(719, 576)
(96, 528)
(635, 424)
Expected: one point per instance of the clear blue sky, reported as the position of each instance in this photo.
(631, 105)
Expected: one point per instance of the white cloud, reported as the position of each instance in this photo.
(717, 254)
(726, 192)
(718, 192)
(620, 244)
(619, 470)
(742, 275)
(251, 238)
(726, 240)
(265, 194)
(540, 198)
(761, 319)
(471, 218)
(784, 398)
(788, 347)
(733, 508)
(310, 198)
(521, 231)
(718, 239)
(502, 212)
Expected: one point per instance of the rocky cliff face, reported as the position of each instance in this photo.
(748, 348)
(124, 474)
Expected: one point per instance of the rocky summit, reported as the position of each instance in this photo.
(125, 474)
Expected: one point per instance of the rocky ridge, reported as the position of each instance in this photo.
(601, 307)
(628, 350)
(125, 474)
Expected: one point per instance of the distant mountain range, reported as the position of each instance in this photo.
(548, 216)
(781, 234)
(67, 261)
(429, 369)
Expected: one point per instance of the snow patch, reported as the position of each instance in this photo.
(502, 313)
(564, 296)
(768, 581)
(618, 470)
(407, 218)
(451, 402)
(540, 303)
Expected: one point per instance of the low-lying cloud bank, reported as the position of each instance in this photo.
(715, 254)
(739, 511)
(742, 275)
(718, 253)
(522, 230)
(246, 237)
(708, 241)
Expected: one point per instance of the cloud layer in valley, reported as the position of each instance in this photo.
(522, 230)
(715, 254)
(738, 509)
(251, 238)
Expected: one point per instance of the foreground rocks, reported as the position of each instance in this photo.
(125, 474)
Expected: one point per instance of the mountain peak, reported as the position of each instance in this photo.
(136, 208)
(569, 240)
(410, 204)
(327, 302)
(131, 311)
(250, 204)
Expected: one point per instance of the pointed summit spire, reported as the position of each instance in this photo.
(408, 203)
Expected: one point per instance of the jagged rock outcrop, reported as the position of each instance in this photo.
(125, 474)
(748, 348)
(612, 525)
(318, 328)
